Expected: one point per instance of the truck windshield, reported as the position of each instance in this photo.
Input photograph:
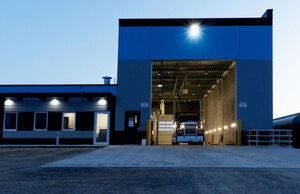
(185, 118)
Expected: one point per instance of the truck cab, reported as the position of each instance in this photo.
(187, 130)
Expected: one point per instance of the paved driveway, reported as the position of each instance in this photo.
(185, 156)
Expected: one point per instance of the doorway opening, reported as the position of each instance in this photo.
(101, 129)
(203, 91)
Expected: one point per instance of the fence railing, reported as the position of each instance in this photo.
(272, 137)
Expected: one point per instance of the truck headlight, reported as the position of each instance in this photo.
(174, 126)
(179, 132)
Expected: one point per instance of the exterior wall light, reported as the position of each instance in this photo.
(8, 102)
(54, 102)
(102, 102)
(233, 125)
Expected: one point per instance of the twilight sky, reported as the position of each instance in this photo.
(76, 41)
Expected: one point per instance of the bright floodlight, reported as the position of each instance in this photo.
(194, 30)
(8, 102)
(54, 102)
(102, 102)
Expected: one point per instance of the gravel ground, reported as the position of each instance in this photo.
(20, 173)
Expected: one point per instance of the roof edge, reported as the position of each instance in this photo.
(53, 85)
(265, 20)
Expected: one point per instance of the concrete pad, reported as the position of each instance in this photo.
(185, 156)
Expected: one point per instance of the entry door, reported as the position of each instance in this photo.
(132, 124)
(101, 129)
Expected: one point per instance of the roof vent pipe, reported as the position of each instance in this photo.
(107, 80)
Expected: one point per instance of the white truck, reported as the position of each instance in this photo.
(187, 131)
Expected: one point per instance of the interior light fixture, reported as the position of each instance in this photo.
(214, 130)
(219, 129)
(225, 127)
(210, 131)
(159, 85)
(206, 132)
(193, 94)
(233, 125)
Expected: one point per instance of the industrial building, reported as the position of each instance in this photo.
(219, 69)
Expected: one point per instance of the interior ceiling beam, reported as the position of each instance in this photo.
(188, 83)
(169, 84)
(190, 63)
(181, 88)
(196, 76)
(183, 72)
(175, 86)
(171, 100)
(199, 88)
(211, 68)
(189, 78)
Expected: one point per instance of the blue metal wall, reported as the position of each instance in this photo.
(250, 46)
(40, 89)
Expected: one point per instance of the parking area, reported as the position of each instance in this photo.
(137, 169)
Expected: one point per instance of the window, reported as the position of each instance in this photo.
(10, 121)
(40, 121)
(69, 121)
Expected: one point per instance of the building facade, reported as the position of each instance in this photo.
(220, 69)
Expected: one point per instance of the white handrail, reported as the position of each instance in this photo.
(272, 137)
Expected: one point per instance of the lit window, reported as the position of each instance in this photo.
(41, 119)
(69, 121)
(10, 121)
